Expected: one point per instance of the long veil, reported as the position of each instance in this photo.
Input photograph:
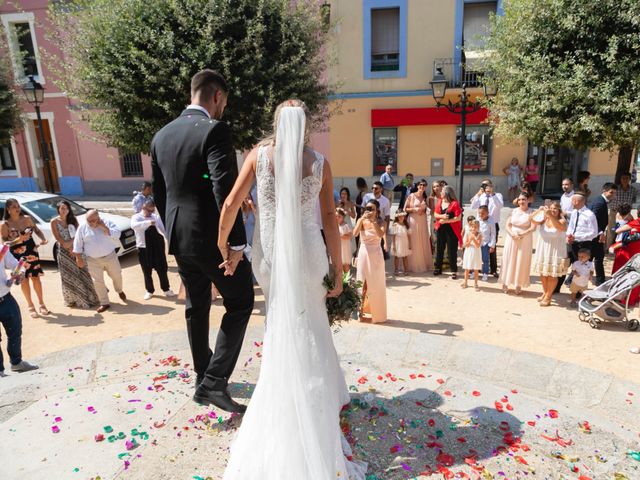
(291, 428)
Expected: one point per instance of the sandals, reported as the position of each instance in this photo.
(44, 310)
(32, 312)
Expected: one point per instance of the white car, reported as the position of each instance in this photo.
(42, 208)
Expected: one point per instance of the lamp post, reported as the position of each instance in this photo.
(462, 107)
(34, 93)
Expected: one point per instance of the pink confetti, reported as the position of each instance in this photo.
(55, 429)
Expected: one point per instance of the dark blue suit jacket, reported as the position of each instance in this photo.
(600, 208)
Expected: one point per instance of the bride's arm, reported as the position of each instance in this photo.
(330, 226)
(232, 203)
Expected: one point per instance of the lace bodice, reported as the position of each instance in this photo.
(262, 250)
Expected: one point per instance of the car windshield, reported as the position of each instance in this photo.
(45, 208)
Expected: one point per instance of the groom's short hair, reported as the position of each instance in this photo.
(206, 83)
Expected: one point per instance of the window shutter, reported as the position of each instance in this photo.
(385, 31)
(476, 23)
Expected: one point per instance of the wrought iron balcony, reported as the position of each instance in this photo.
(457, 72)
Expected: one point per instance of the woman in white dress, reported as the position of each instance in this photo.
(550, 260)
(291, 429)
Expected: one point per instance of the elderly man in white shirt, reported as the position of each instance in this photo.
(565, 200)
(95, 241)
(493, 200)
(150, 234)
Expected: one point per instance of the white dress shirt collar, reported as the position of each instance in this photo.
(198, 107)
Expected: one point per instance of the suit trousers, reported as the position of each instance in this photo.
(97, 267)
(197, 274)
(493, 259)
(597, 254)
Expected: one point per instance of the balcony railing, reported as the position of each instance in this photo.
(457, 73)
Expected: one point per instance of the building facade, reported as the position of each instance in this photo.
(77, 164)
(386, 53)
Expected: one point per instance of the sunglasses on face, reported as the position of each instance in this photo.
(375, 188)
(369, 208)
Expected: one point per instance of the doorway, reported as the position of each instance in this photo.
(554, 164)
(47, 171)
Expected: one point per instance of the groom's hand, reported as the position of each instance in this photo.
(232, 259)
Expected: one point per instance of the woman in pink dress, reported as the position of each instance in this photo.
(420, 259)
(370, 265)
(518, 246)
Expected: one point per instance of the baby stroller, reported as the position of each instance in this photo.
(610, 301)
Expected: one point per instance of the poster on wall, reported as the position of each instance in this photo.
(385, 149)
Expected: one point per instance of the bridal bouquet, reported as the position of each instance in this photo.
(343, 307)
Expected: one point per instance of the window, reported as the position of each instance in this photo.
(385, 39)
(476, 24)
(385, 149)
(477, 151)
(7, 162)
(384, 42)
(131, 164)
(20, 29)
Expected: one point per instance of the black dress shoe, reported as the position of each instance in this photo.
(219, 398)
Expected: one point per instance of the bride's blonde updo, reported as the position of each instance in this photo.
(271, 139)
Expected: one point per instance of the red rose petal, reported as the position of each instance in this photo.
(475, 393)
(553, 413)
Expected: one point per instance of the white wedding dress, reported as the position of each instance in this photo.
(291, 429)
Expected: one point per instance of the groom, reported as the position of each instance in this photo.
(194, 168)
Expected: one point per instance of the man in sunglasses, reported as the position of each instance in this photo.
(385, 210)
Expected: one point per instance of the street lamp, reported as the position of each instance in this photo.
(34, 93)
(462, 107)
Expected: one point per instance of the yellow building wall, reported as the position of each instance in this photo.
(430, 29)
(603, 162)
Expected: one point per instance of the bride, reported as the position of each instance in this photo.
(291, 429)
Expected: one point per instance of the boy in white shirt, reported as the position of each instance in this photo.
(582, 270)
(488, 231)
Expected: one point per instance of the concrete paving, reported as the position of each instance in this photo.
(422, 405)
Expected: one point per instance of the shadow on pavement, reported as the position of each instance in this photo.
(441, 328)
(407, 435)
(132, 307)
(73, 320)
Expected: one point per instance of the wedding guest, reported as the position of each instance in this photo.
(527, 190)
(346, 234)
(77, 286)
(625, 194)
(581, 230)
(388, 183)
(513, 171)
(623, 217)
(142, 196)
(565, 199)
(150, 233)
(516, 256)
(488, 246)
(370, 264)
(385, 212)
(550, 260)
(95, 241)
(420, 259)
(472, 257)
(406, 188)
(583, 183)
(449, 227)
(487, 196)
(17, 231)
(11, 319)
(532, 175)
(347, 205)
(581, 273)
(363, 189)
(400, 244)
(600, 208)
(434, 196)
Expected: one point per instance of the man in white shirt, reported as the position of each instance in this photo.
(581, 231)
(150, 234)
(385, 210)
(565, 200)
(388, 183)
(493, 200)
(95, 240)
(11, 319)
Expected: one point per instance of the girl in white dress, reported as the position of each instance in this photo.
(472, 259)
(346, 234)
(400, 247)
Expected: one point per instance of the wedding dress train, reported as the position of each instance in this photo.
(291, 429)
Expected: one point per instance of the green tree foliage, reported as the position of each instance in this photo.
(568, 73)
(129, 62)
(10, 120)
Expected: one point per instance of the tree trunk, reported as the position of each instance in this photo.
(624, 161)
